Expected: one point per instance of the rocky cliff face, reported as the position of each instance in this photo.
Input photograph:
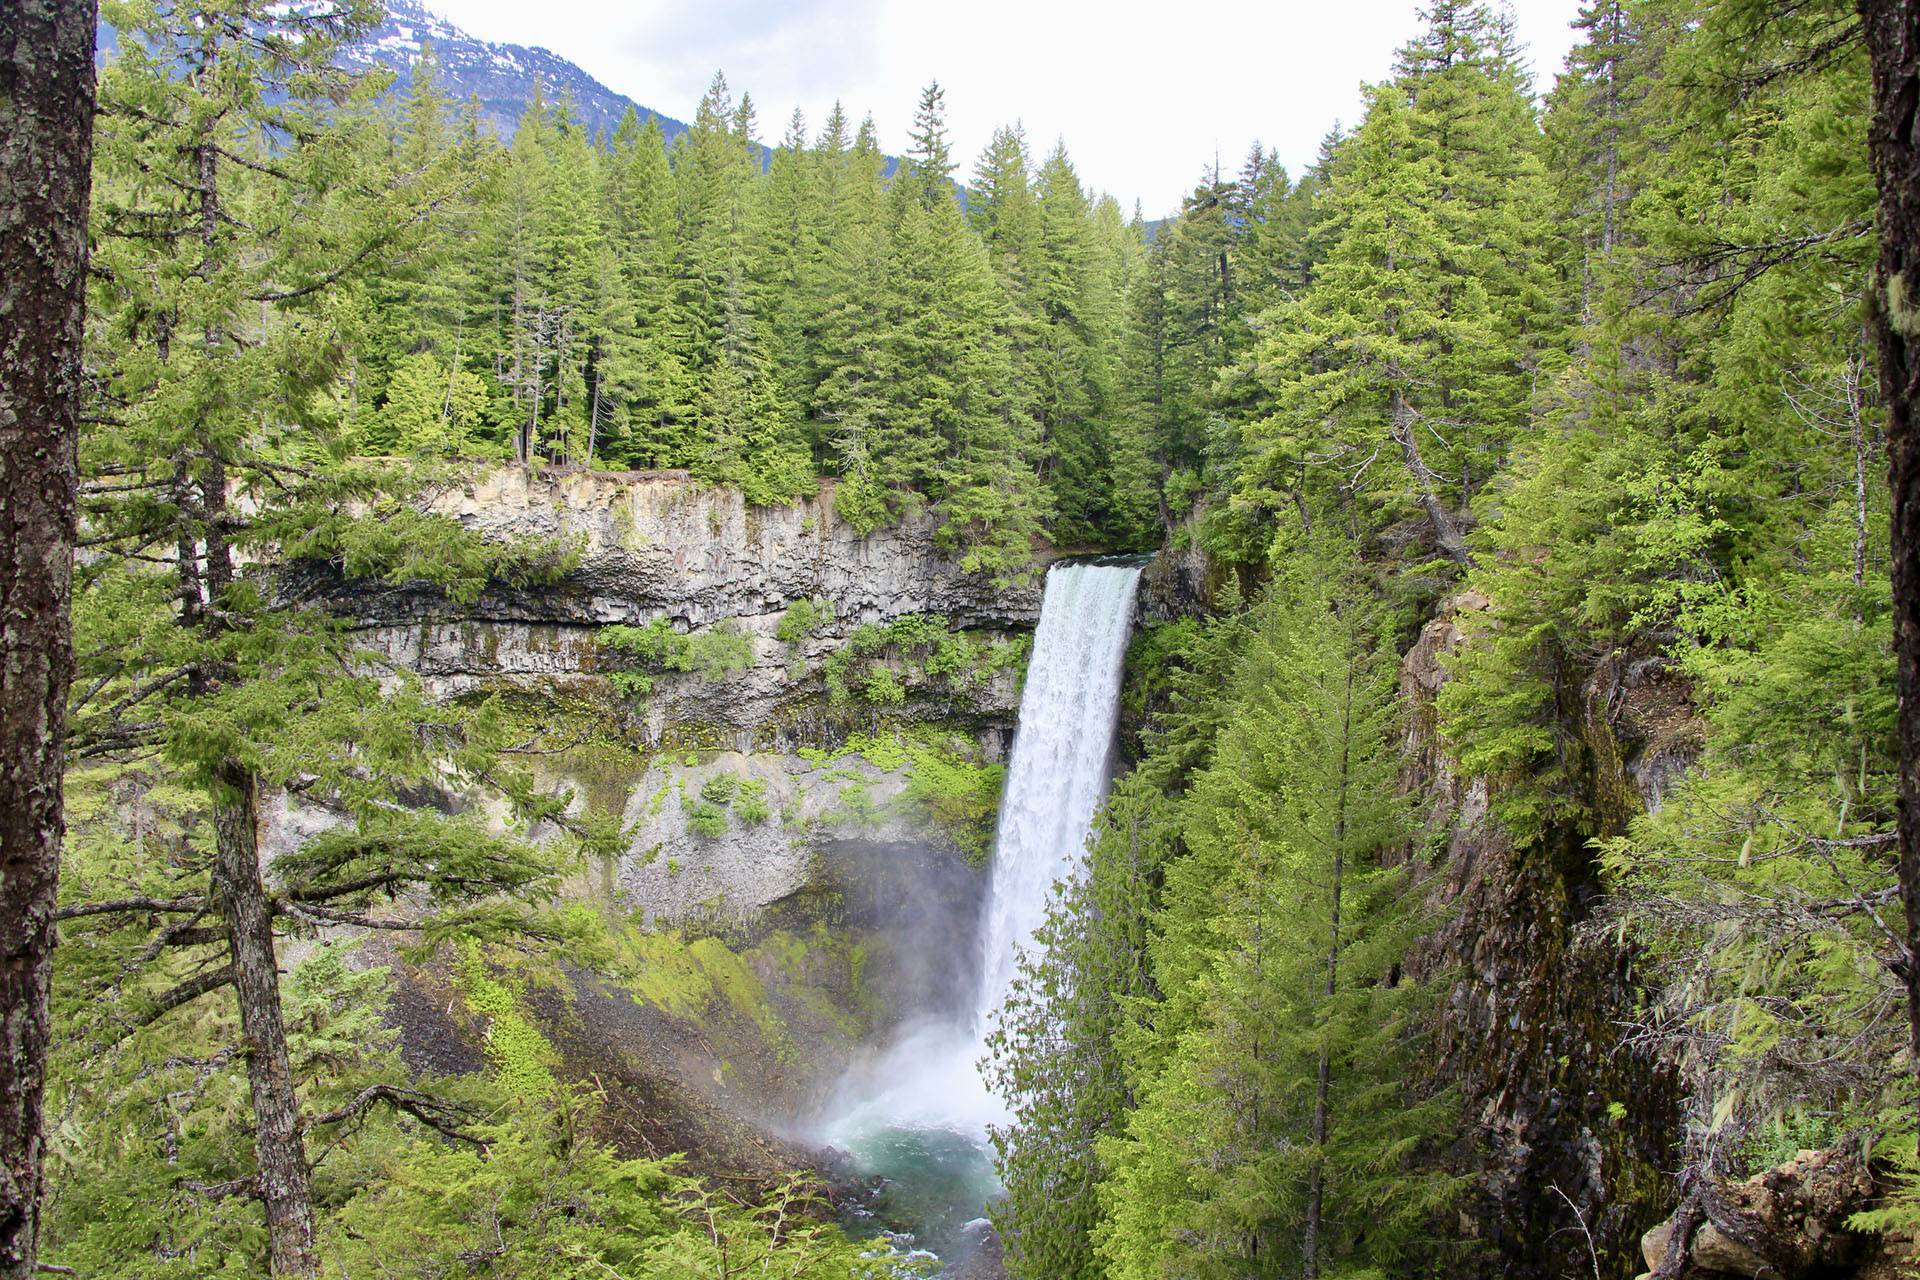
(1573, 1131)
(793, 881)
(656, 546)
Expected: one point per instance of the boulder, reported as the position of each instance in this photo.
(1785, 1223)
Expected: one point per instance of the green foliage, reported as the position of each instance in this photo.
(856, 807)
(576, 1209)
(720, 788)
(1283, 1031)
(1404, 371)
(1752, 886)
(1094, 970)
(752, 805)
(1227, 967)
(956, 793)
(657, 648)
(135, 1116)
(705, 818)
(881, 664)
(252, 213)
(948, 784)
(522, 1059)
(430, 409)
(802, 619)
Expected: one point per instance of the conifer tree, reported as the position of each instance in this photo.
(646, 367)
(712, 176)
(854, 375)
(1279, 1131)
(924, 396)
(1001, 208)
(787, 261)
(46, 144)
(1055, 1051)
(928, 172)
(1072, 379)
(226, 225)
(1408, 367)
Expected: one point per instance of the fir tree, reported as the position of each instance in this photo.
(227, 222)
(1408, 366)
(1278, 1130)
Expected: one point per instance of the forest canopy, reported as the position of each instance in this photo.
(1578, 373)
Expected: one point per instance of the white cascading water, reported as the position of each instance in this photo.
(1061, 761)
(1059, 771)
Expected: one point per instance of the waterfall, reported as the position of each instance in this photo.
(1061, 761)
(915, 1119)
(926, 1082)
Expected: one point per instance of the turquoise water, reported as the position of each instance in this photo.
(924, 1187)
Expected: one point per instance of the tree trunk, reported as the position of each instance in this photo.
(280, 1151)
(1893, 43)
(1445, 531)
(46, 158)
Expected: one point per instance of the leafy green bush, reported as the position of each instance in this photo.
(883, 663)
(752, 807)
(705, 818)
(947, 784)
(657, 648)
(857, 807)
(633, 684)
(957, 795)
(883, 687)
(802, 619)
(720, 788)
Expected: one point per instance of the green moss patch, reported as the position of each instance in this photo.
(521, 1057)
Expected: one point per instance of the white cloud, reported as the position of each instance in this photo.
(1143, 94)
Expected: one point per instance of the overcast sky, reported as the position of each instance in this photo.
(1143, 95)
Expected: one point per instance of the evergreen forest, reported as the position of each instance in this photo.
(1504, 857)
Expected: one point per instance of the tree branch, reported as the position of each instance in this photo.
(190, 905)
(436, 1113)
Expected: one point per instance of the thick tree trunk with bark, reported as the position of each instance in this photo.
(46, 157)
(279, 1147)
(1893, 43)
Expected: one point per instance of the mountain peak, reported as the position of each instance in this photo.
(499, 76)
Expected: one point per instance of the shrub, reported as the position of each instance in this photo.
(802, 619)
(657, 648)
(705, 818)
(881, 663)
(752, 806)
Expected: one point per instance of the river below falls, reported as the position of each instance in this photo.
(922, 1189)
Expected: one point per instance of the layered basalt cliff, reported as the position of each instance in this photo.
(657, 547)
(803, 804)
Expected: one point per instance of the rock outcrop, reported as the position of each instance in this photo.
(1571, 1132)
(1786, 1223)
(645, 547)
(657, 544)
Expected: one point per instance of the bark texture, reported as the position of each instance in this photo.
(1892, 30)
(46, 156)
(279, 1146)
